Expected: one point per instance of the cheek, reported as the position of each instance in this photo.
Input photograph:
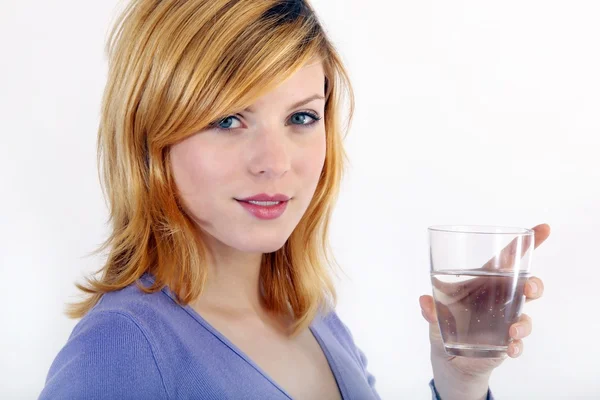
(313, 160)
(309, 166)
(200, 175)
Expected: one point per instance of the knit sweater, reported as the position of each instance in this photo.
(133, 345)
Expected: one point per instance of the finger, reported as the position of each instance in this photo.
(542, 232)
(515, 348)
(459, 290)
(444, 287)
(521, 329)
(428, 308)
(506, 258)
(534, 288)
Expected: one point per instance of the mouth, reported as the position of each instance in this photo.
(264, 210)
(262, 203)
(263, 197)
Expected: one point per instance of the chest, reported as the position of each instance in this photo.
(298, 364)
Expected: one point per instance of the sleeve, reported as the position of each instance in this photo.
(107, 356)
(436, 396)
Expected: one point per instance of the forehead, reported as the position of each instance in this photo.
(307, 81)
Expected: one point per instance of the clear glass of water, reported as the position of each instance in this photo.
(478, 276)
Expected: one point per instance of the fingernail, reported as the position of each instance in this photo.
(516, 350)
(516, 332)
(534, 287)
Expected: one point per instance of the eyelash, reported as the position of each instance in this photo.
(316, 119)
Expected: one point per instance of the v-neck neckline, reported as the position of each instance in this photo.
(232, 346)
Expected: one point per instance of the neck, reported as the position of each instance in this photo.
(233, 281)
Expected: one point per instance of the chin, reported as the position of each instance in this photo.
(265, 245)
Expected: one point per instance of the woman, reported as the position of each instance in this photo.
(222, 156)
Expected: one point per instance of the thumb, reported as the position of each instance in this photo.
(428, 309)
(429, 313)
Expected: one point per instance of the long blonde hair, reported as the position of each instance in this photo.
(174, 67)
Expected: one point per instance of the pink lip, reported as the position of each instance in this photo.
(266, 197)
(265, 212)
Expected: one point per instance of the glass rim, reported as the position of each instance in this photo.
(483, 229)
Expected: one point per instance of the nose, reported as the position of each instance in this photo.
(270, 154)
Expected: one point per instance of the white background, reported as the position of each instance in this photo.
(468, 112)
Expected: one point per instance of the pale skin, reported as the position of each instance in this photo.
(273, 147)
(258, 151)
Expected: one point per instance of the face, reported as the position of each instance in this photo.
(275, 147)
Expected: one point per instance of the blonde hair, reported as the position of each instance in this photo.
(175, 67)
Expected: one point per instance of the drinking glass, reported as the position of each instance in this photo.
(478, 276)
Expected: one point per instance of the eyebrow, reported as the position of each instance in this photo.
(296, 105)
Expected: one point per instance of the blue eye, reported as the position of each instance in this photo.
(302, 118)
(299, 119)
(225, 121)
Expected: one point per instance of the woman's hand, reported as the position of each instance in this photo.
(467, 372)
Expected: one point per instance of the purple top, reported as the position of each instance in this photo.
(133, 345)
